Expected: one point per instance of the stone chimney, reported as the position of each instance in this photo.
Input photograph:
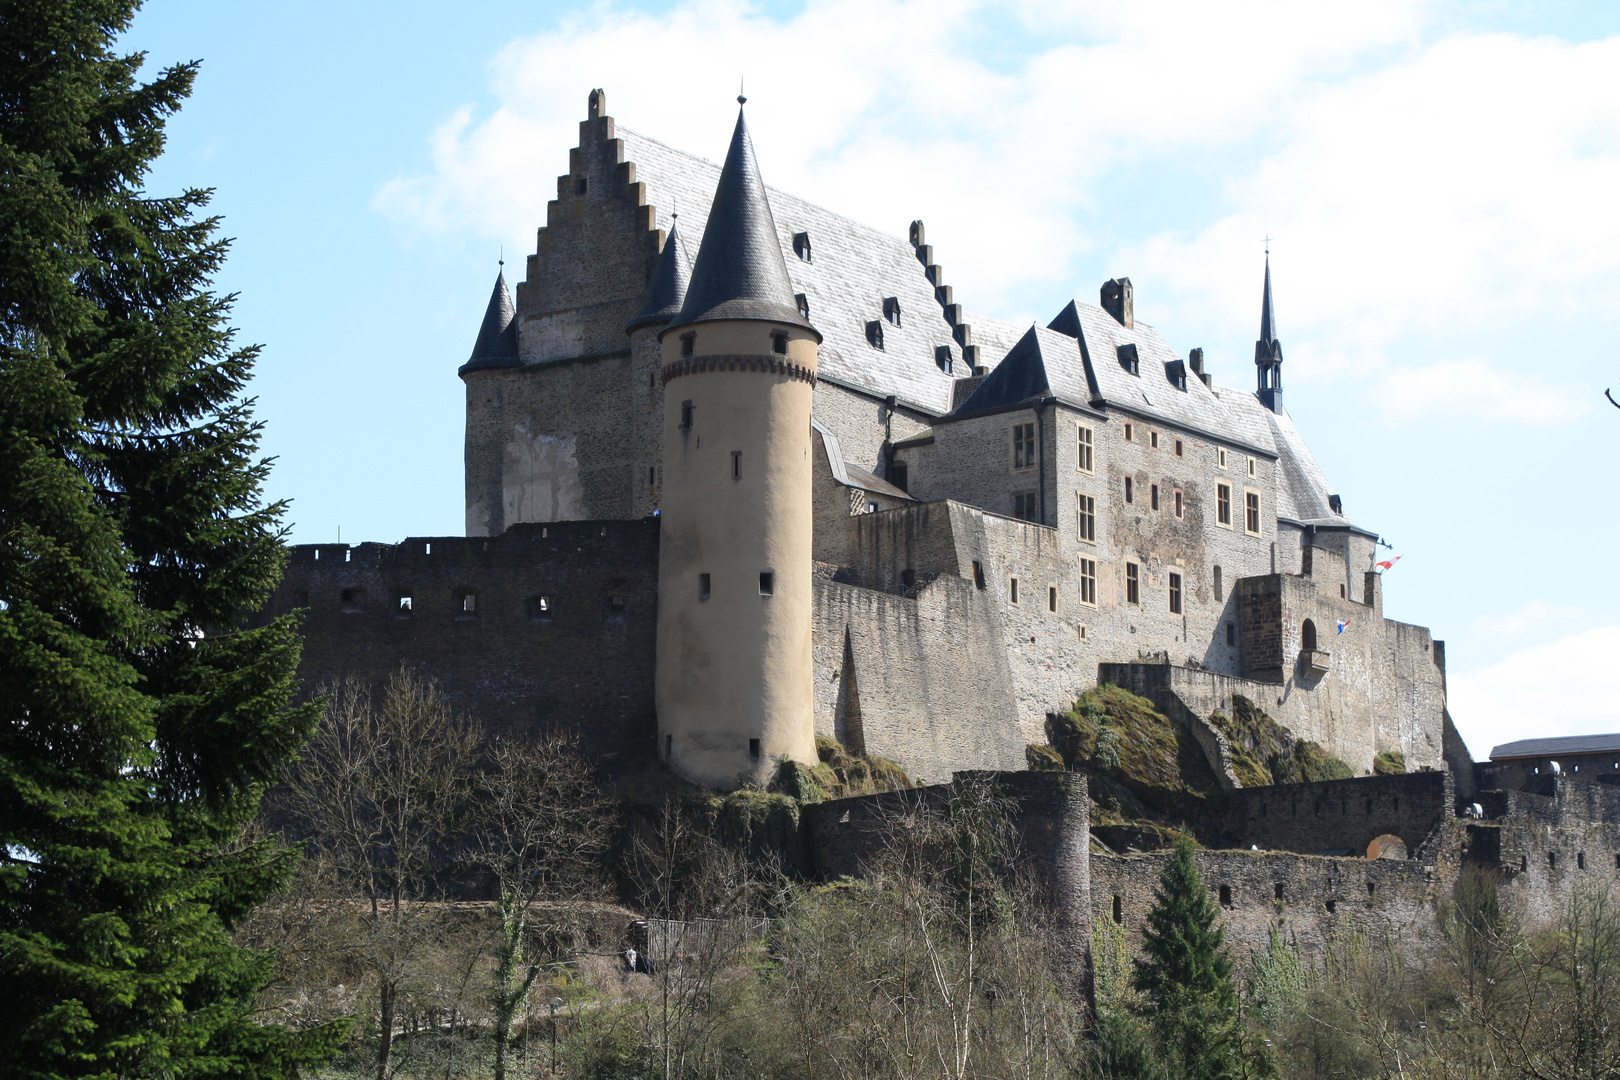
(1116, 300)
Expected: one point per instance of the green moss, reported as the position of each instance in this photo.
(1136, 755)
(1264, 752)
(1043, 758)
(1389, 763)
(838, 774)
(753, 819)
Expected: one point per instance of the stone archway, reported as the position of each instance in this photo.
(1387, 846)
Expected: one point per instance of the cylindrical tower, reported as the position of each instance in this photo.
(739, 368)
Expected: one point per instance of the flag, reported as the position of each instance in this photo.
(1342, 624)
(1387, 563)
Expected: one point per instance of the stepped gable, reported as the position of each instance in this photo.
(497, 344)
(852, 269)
(667, 293)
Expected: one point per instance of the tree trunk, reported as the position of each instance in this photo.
(385, 1007)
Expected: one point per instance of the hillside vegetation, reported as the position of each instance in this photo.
(1264, 752)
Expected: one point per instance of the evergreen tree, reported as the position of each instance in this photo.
(1186, 975)
(139, 721)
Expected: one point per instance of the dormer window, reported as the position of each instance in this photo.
(1176, 372)
(874, 334)
(1128, 359)
(891, 310)
(779, 342)
(942, 357)
(801, 245)
(804, 305)
(688, 343)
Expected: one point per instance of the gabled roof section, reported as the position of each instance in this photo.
(850, 474)
(1569, 744)
(670, 279)
(497, 344)
(1302, 489)
(739, 272)
(1018, 378)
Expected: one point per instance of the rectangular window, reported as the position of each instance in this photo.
(1012, 590)
(753, 749)
(898, 475)
(1153, 439)
(1251, 512)
(1084, 461)
(978, 574)
(1251, 466)
(1175, 593)
(1231, 633)
(703, 586)
(1178, 448)
(1220, 593)
(1026, 506)
(1023, 436)
(1220, 457)
(1133, 584)
(767, 583)
(1086, 512)
(736, 464)
(1180, 503)
(1223, 505)
(1128, 430)
(689, 343)
(1130, 492)
(1088, 581)
(1153, 496)
(686, 416)
(1051, 598)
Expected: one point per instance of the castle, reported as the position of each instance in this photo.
(756, 474)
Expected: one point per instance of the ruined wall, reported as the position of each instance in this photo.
(1553, 845)
(585, 662)
(1337, 814)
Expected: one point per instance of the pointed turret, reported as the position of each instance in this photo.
(739, 274)
(1268, 355)
(497, 344)
(1018, 378)
(667, 292)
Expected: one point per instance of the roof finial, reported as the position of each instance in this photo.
(742, 99)
(1268, 245)
(502, 260)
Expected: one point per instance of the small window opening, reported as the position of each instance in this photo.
(579, 186)
(1012, 590)
(1251, 466)
(1231, 634)
(1226, 896)
(1332, 906)
(347, 555)
(353, 599)
(978, 574)
(1128, 430)
(1580, 860)
(767, 583)
(898, 475)
(403, 608)
(1175, 593)
(1119, 910)
(1307, 635)
(469, 603)
(801, 245)
(1153, 496)
(1372, 888)
(1342, 591)
(1277, 891)
(779, 344)
(669, 747)
(1133, 584)
(753, 749)
(908, 578)
(537, 609)
(652, 475)
(1180, 504)
(736, 464)
(1524, 862)
(652, 380)
(891, 310)
(1082, 633)
(874, 334)
(1218, 594)
(942, 358)
(1220, 457)
(703, 586)
(686, 416)
(804, 305)
(317, 554)
(1130, 490)
(1178, 448)
(1552, 859)
(1153, 440)
(689, 343)
(1051, 598)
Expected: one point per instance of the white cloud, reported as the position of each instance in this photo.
(1562, 687)
(1477, 388)
(1525, 619)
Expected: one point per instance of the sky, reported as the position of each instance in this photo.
(1439, 181)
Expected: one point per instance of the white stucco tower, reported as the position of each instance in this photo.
(739, 368)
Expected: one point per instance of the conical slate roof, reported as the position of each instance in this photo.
(739, 272)
(667, 292)
(1019, 377)
(497, 344)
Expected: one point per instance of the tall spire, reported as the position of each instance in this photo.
(667, 292)
(739, 272)
(1268, 356)
(497, 344)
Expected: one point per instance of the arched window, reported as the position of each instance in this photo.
(1307, 635)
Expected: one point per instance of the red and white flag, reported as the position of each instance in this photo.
(1387, 563)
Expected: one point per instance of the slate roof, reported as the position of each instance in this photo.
(1268, 318)
(497, 345)
(667, 292)
(1568, 744)
(851, 270)
(850, 474)
(739, 273)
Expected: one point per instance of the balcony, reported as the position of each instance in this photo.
(1314, 661)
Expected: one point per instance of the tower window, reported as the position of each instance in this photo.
(1226, 896)
(779, 342)
(1051, 598)
(1012, 590)
(942, 357)
(1129, 428)
(1133, 584)
(1023, 440)
(1342, 591)
(686, 416)
(1119, 909)
(1175, 593)
(1277, 890)
(1153, 440)
(753, 749)
(1178, 448)
(874, 334)
(689, 343)
(978, 574)
(804, 305)
(1231, 634)
(1026, 506)
(537, 609)
(891, 310)
(1307, 635)
(1251, 512)
(1130, 490)
(1086, 513)
(1153, 496)
(1088, 582)
(801, 245)
(703, 586)
(652, 475)
(403, 607)
(579, 186)
(1223, 505)
(466, 604)
(767, 583)
(736, 464)
(1180, 501)
(1084, 461)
